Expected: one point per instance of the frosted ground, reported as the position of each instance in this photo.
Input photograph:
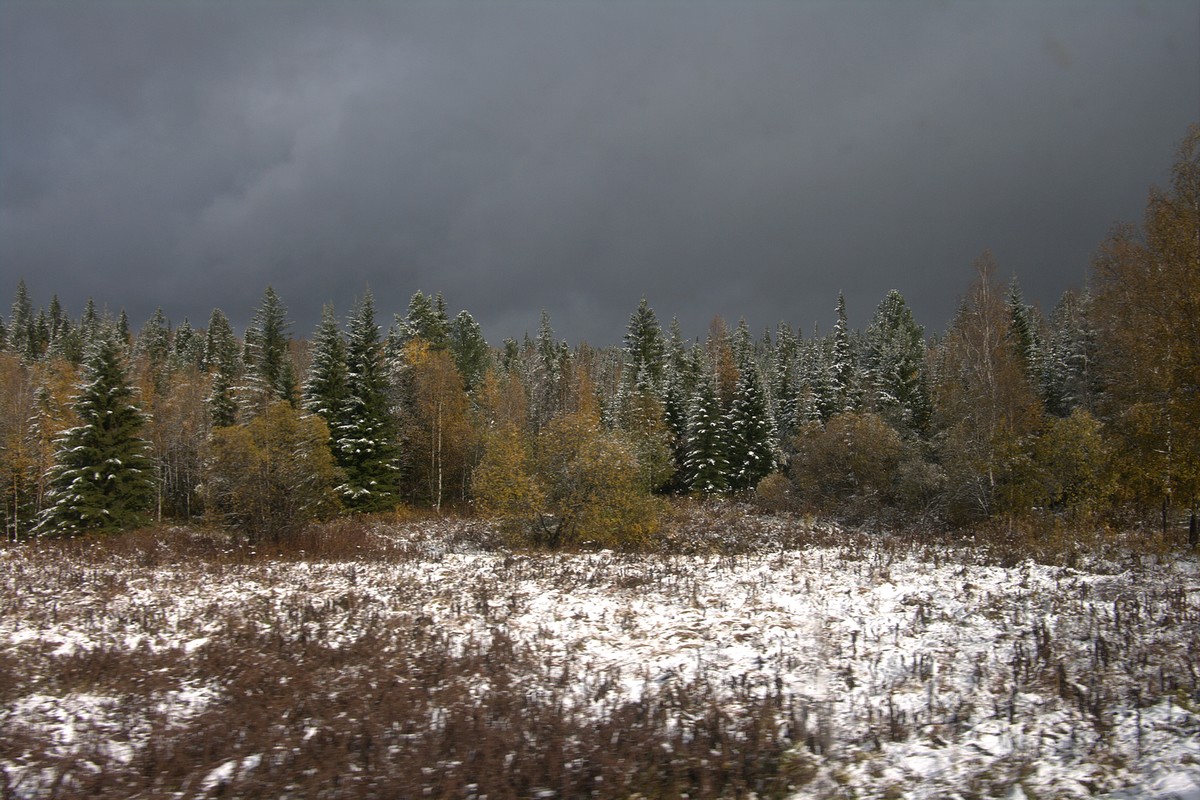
(897, 670)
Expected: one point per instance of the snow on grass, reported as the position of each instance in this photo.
(907, 676)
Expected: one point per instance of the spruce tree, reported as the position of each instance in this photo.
(89, 324)
(365, 435)
(154, 348)
(785, 384)
(510, 359)
(470, 349)
(706, 465)
(818, 399)
(743, 346)
(751, 445)
(1024, 329)
(187, 348)
(895, 354)
(425, 319)
(325, 389)
(22, 335)
(1069, 378)
(843, 363)
(644, 350)
(676, 384)
(67, 344)
(41, 333)
(220, 343)
(59, 322)
(223, 361)
(544, 374)
(102, 478)
(272, 375)
(124, 332)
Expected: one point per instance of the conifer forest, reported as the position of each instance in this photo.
(389, 558)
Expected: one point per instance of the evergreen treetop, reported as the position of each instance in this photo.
(103, 477)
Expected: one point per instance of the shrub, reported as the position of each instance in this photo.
(593, 485)
(270, 477)
(774, 494)
(853, 458)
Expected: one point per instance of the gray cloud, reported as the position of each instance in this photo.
(743, 159)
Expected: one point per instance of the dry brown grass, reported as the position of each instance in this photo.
(400, 709)
(397, 713)
(403, 709)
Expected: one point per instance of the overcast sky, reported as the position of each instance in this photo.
(747, 159)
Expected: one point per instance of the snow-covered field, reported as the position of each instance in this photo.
(889, 671)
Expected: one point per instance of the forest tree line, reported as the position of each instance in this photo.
(1089, 413)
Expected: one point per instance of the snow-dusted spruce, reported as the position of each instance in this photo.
(1025, 325)
(223, 361)
(153, 352)
(677, 382)
(22, 335)
(471, 353)
(895, 354)
(752, 445)
(847, 383)
(102, 478)
(707, 463)
(1069, 378)
(784, 382)
(644, 351)
(270, 372)
(364, 433)
(325, 390)
(817, 400)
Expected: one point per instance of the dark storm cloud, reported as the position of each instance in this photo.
(743, 159)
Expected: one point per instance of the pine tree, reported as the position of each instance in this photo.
(818, 399)
(470, 350)
(510, 359)
(646, 431)
(1070, 379)
(544, 375)
(325, 390)
(102, 478)
(223, 361)
(752, 446)
(222, 399)
(59, 322)
(220, 343)
(743, 346)
(785, 384)
(89, 324)
(187, 348)
(895, 355)
(676, 384)
(425, 319)
(365, 437)
(22, 335)
(154, 347)
(124, 332)
(67, 343)
(707, 464)
(644, 350)
(846, 387)
(272, 375)
(1025, 331)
